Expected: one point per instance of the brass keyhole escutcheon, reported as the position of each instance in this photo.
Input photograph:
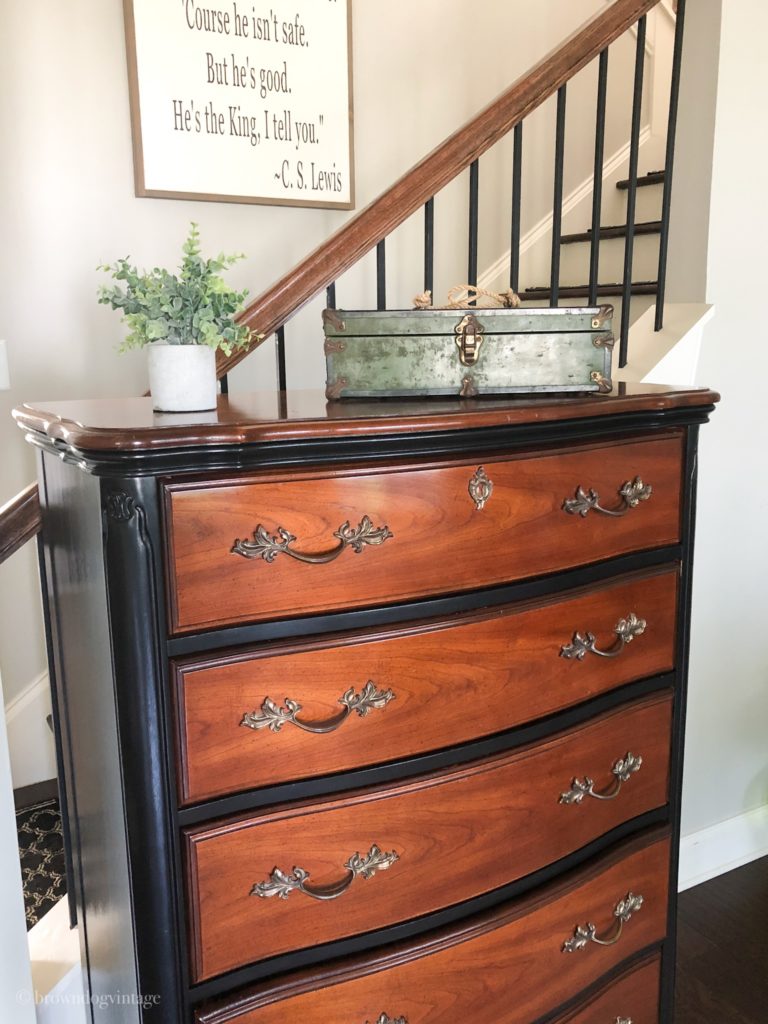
(480, 488)
(469, 338)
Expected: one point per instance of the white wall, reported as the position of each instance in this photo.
(717, 255)
(16, 998)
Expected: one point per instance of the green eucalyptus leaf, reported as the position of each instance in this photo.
(195, 306)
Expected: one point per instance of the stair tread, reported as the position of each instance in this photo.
(582, 290)
(648, 227)
(651, 178)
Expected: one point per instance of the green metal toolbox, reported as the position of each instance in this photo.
(466, 352)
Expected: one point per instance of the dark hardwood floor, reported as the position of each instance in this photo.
(722, 949)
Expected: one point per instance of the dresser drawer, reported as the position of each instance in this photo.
(632, 998)
(507, 967)
(396, 852)
(261, 547)
(288, 712)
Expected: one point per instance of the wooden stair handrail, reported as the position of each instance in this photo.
(20, 521)
(364, 231)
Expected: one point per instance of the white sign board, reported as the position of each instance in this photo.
(245, 101)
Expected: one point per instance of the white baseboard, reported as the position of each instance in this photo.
(30, 740)
(723, 847)
(54, 953)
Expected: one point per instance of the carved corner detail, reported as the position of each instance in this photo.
(120, 507)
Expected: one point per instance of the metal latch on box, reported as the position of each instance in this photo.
(469, 338)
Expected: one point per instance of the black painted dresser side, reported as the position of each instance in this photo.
(101, 554)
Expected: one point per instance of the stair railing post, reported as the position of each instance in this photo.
(634, 154)
(597, 188)
(669, 163)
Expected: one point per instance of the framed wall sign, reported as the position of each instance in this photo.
(242, 101)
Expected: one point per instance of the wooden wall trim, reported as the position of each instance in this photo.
(363, 232)
(20, 521)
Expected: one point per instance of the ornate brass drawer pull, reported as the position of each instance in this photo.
(625, 629)
(623, 1020)
(274, 718)
(586, 933)
(622, 770)
(281, 885)
(384, 1019)
(268, 548)
(480, 488)
(632, 492)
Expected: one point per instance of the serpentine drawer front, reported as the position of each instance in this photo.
(275, 714)
(633, 998)
(512, 965)
(253, 548)
(374, 711)
(309, 873)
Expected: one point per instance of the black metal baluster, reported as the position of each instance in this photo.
(557, 205)
(381, 276)
(666, 203)
(517, 192)
(429, 246)
(597, 188)
(330, 296)
(634, 154)
(474, 189)
(281, 374)
(224, 385)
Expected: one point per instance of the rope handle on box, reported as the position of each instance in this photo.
(465, 296)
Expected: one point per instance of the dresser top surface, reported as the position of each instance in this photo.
(130, 424)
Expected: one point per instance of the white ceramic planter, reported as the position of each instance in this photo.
(182, 378)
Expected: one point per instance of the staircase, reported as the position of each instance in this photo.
(613, 289)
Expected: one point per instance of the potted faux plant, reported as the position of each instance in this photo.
(183, 319)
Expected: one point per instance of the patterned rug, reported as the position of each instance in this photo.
(41, 851)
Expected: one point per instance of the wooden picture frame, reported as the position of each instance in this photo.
(203, 146)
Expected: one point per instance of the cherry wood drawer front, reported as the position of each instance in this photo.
(406, 531)
(508, 967)
(429, 687)
(396, 852)
(633, 997)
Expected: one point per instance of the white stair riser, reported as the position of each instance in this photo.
(574, 260)
(647, 203)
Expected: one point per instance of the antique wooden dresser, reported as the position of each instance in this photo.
(373, 713)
